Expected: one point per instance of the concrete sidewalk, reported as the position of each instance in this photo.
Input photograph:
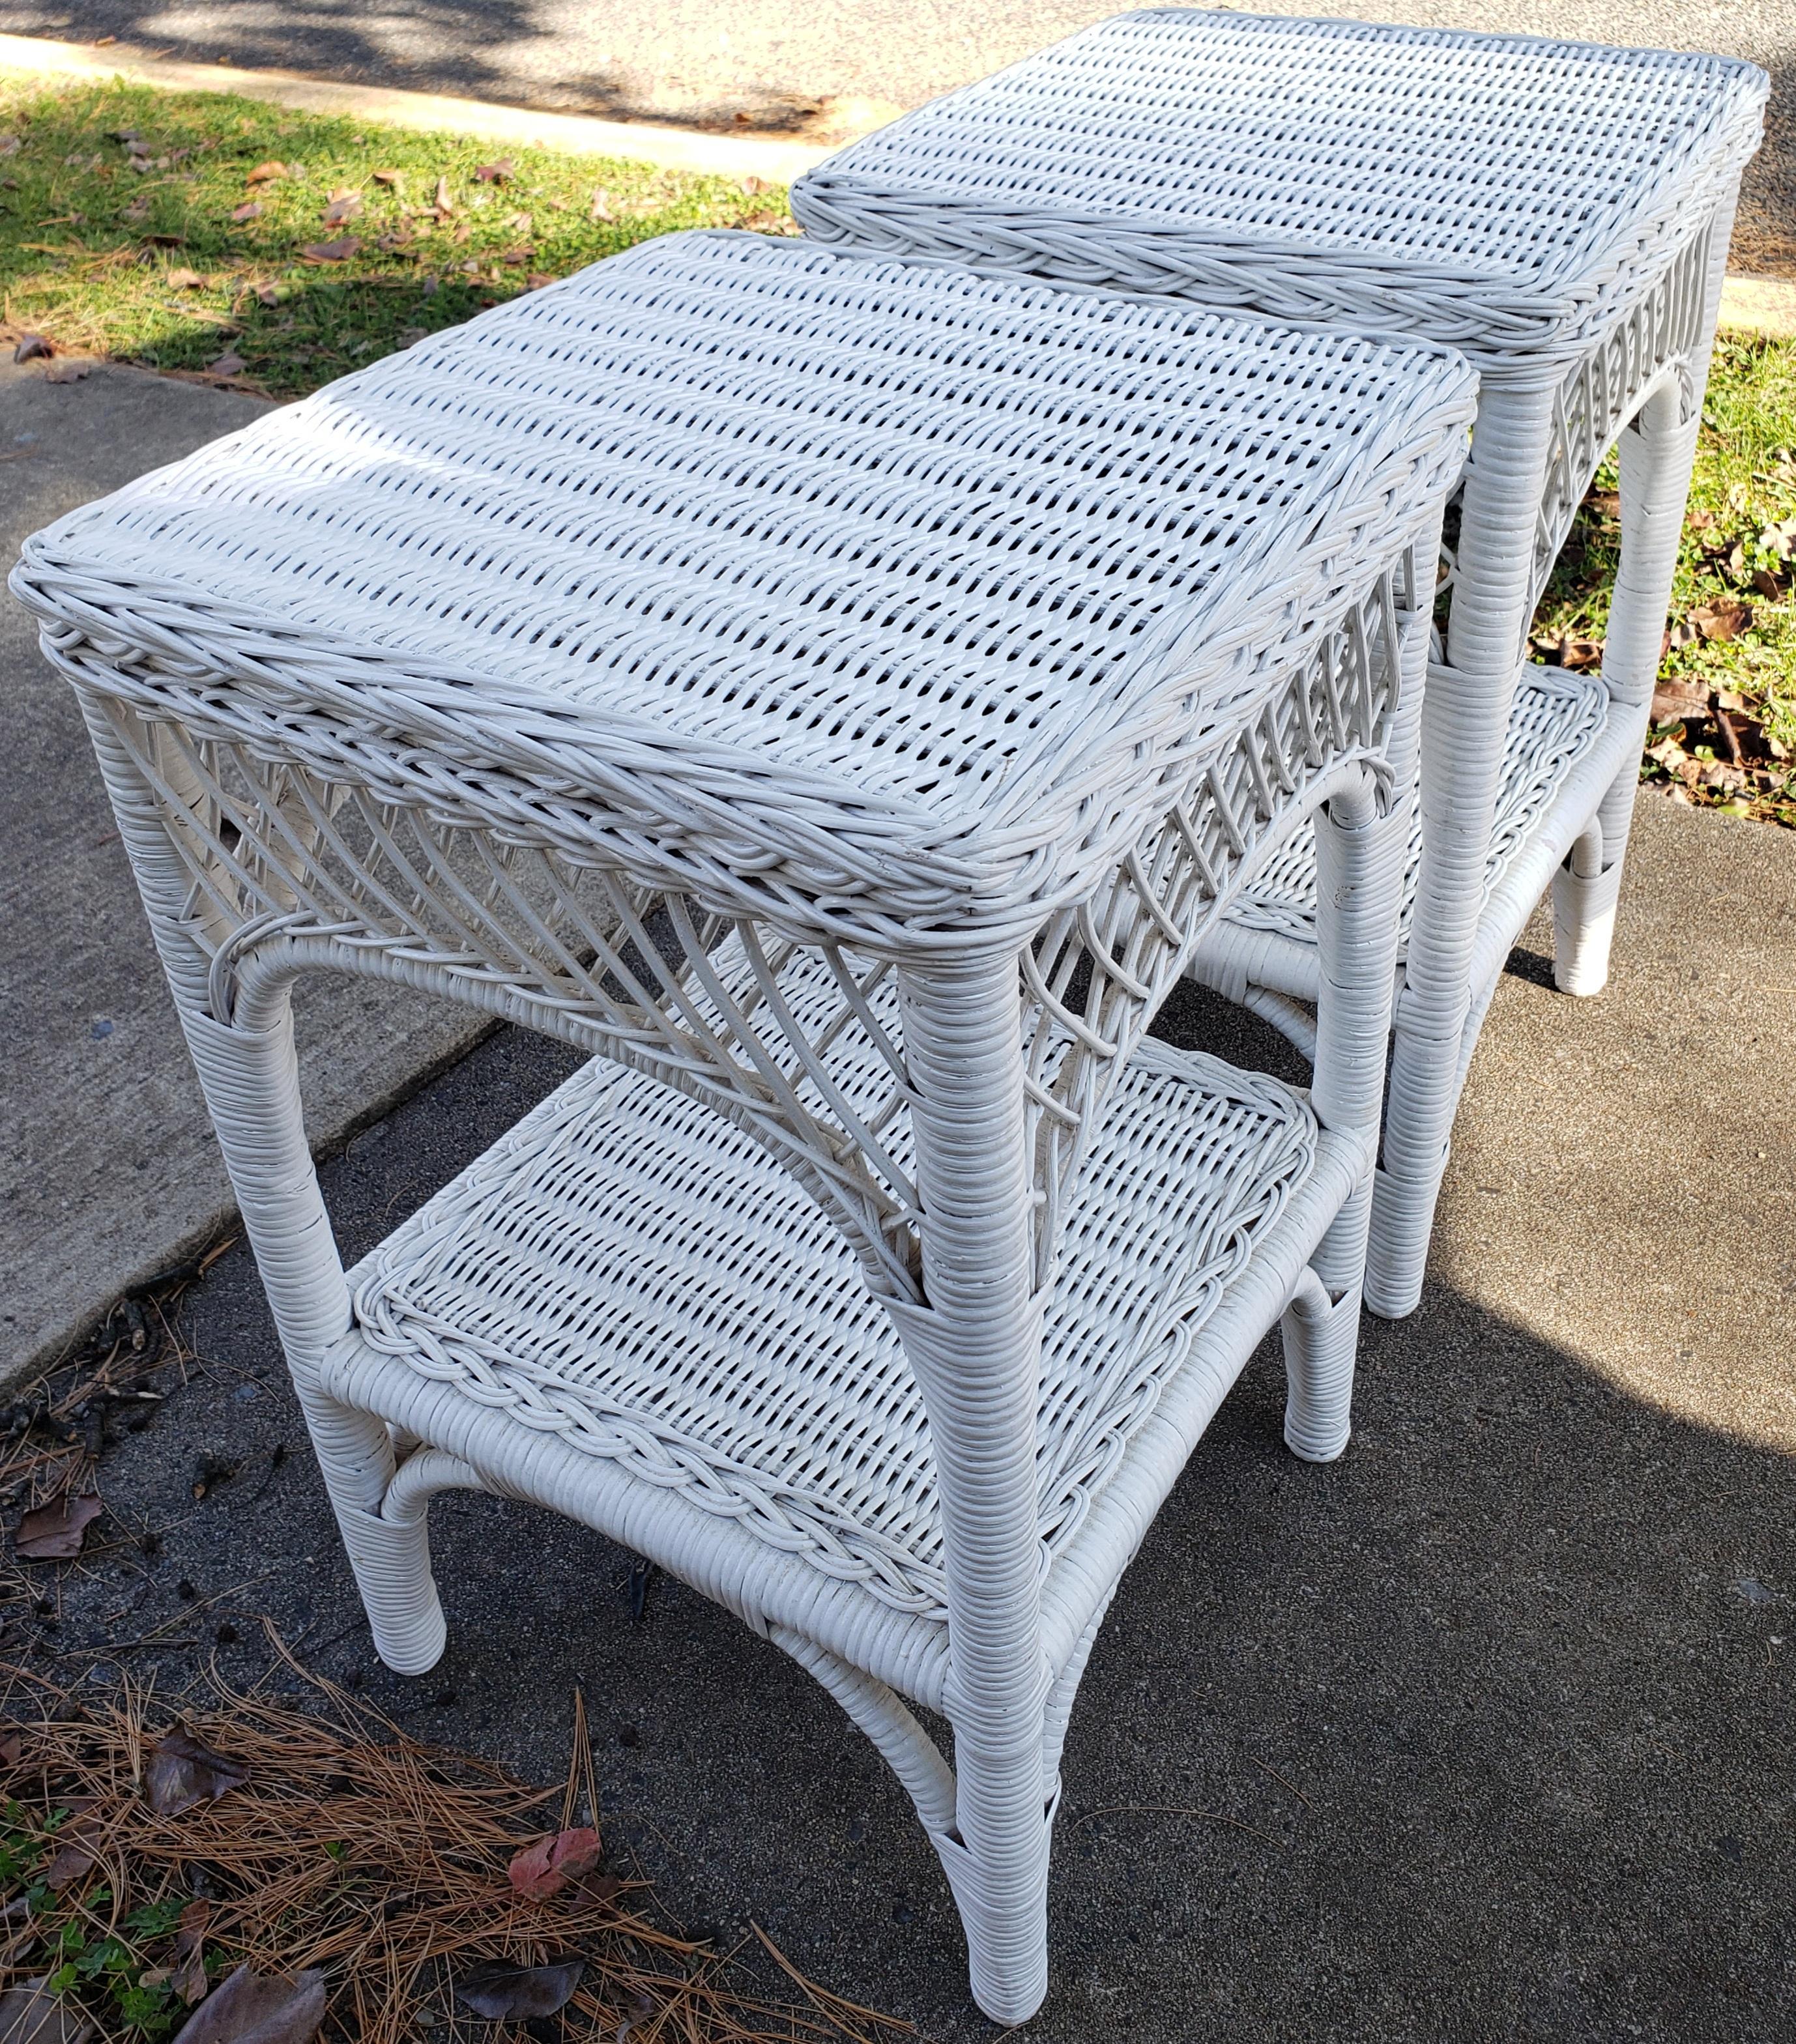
(1482, 1733)
(108, 1169)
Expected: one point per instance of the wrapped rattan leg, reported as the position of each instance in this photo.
(1654, 455)
(976, 1347)
(1465, 712)
(1585, 894)
(250, 1079)
(1321, 1336)
(1358, 872)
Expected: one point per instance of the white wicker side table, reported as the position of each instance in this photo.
(840, 694)
(1559, 211)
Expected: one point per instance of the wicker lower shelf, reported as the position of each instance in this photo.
(631, 1274)
(1556, 723)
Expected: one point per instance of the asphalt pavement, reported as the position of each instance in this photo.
(1481, 1734)
(754, 65)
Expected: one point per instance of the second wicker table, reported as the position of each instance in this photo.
(1560, 212)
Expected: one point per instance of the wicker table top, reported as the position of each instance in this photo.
(806, 577)
(1495, 192)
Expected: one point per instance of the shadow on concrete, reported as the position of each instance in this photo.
(512, 52)
(1482, 1732)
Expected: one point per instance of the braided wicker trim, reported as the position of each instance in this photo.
(1504, 193)
(887, 599)
(628, 1272)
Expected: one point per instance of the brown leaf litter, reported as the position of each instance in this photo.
(281, 1869)
(55, 1531)
(259, 2008)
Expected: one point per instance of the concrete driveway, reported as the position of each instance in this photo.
(765, 64)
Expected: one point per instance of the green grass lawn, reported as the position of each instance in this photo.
(134, 224)
(1729, 667)
(203, 234)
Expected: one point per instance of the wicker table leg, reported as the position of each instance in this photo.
(1465, 714)
(1655, 454)
(975, 1348)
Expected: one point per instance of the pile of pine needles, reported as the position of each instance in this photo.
(341, 1843)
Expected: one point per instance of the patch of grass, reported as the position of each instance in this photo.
(1730, 665)
(119, 236)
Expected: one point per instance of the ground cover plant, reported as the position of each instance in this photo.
(1724, 714)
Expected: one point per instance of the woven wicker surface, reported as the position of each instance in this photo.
(696, 508)
(629, 1271)
(844, 693)
(1557, 718)
(1495, 192)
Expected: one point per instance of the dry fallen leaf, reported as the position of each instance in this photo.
(229, 364)
(70, 1861)
(1672, 703)
(445, 203)
(494, 173)
(259, 2008)
(1766, 584)
(344, 205)
(1580, 654)
(33, 2014)
(250, 209)
(547, 1867)
(1725, 618)
(181, 1773)
(395, 178)
(268, 293)
(12, 1749)
(137, 211)
(601, 206)
(331, 252)
(31, 346)
(514, 1994)
(187, 1976)
(10, 145)
(185, 280)
(66, 369)
(265, 173)
(54, 1532)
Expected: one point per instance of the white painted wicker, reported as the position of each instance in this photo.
(842, 694)
(1560, 212)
